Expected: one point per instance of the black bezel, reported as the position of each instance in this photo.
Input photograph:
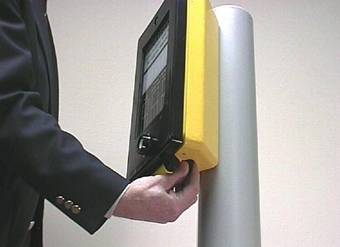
(167, 127)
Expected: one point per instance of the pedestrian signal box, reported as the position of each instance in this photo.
(175, 105)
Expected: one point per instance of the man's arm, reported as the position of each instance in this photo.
(34, 146)
(55, 163)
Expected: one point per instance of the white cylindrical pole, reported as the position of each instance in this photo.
(229, 214)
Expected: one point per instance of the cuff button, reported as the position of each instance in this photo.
(75, 209)
(60, 200)
(68, 204)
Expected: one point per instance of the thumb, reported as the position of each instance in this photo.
(170, 180)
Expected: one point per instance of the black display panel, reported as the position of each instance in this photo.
(157, 115)
(154, 77)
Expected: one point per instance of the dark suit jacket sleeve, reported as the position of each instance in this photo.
(32, 143)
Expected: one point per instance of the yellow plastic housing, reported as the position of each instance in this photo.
(201, 93)
(201, 96)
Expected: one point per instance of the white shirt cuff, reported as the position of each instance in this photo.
(112, 209)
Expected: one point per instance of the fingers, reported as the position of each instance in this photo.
(188, 195)
(170, 180)
(144, 200)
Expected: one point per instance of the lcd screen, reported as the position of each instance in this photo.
(155, 59)
(154, 76)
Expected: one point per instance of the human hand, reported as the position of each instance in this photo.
(154, 198)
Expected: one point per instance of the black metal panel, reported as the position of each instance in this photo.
(156, 136)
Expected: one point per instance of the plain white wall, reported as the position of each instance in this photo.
(298, 81)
